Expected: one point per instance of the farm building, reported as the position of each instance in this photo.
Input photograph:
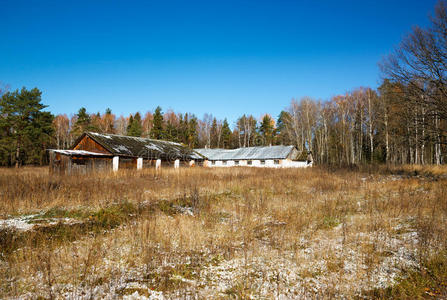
(270, 157)
(95, 151)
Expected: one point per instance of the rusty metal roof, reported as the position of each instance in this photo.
(143, 147)
(248, 153)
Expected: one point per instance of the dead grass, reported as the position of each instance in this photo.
(240, 232)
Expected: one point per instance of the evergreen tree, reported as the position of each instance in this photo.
(226, 134)
(25, 130)
(193, 137)
(129, 125)
(183, 129)
(282, 136)
(83, 122)
(134, 128)
(171, 132)
(214, 134)
(157, 124)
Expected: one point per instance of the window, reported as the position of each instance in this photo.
(236, 162)
(262, 162)
(249, 162)
(276, 161)
(79, 161)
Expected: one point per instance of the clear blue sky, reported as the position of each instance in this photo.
(222, 57)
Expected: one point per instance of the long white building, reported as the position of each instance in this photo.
(267, 157)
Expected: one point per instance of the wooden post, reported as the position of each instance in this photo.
(139, 163)
(115, 163)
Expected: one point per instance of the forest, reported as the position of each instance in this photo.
(403, 121)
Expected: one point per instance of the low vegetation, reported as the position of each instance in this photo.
(216, 233)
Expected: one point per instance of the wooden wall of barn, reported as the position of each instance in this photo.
(88, 144)
(64, 164)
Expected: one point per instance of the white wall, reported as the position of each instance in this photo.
(287, 163)
(115, 163)
(256, 163)
(139, 163)
(158, 164)
(270, 163)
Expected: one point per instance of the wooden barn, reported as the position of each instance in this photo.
(96, 151)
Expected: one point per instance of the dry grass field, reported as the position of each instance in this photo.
(239, 233)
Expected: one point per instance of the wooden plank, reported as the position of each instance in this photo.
(88, 144)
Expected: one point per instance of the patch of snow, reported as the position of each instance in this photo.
(120, 148)
(20, 224)
(184, 210)
(77, 152)
(153, 147)
(29, 222)
(101, 135)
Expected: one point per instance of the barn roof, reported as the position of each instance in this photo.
(248, 153)
(142, 147)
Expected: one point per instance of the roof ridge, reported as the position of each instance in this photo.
(258, 147)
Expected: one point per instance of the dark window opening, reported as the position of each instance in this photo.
(249, 162)
(79, 161)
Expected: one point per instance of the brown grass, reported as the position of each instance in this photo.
(238, 232)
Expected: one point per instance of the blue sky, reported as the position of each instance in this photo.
(222, 57)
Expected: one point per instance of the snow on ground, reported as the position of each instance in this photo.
(19, 223)
(281, 274)
(29, 222)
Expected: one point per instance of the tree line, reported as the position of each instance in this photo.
(403, 121)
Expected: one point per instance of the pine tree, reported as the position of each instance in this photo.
(226, 134)
(213, 133)
(157, 127)
(183, 129)
(192, 141)
(83, 122)
(134, 128)
(282, 136)
(171, 132)
(25, 129)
